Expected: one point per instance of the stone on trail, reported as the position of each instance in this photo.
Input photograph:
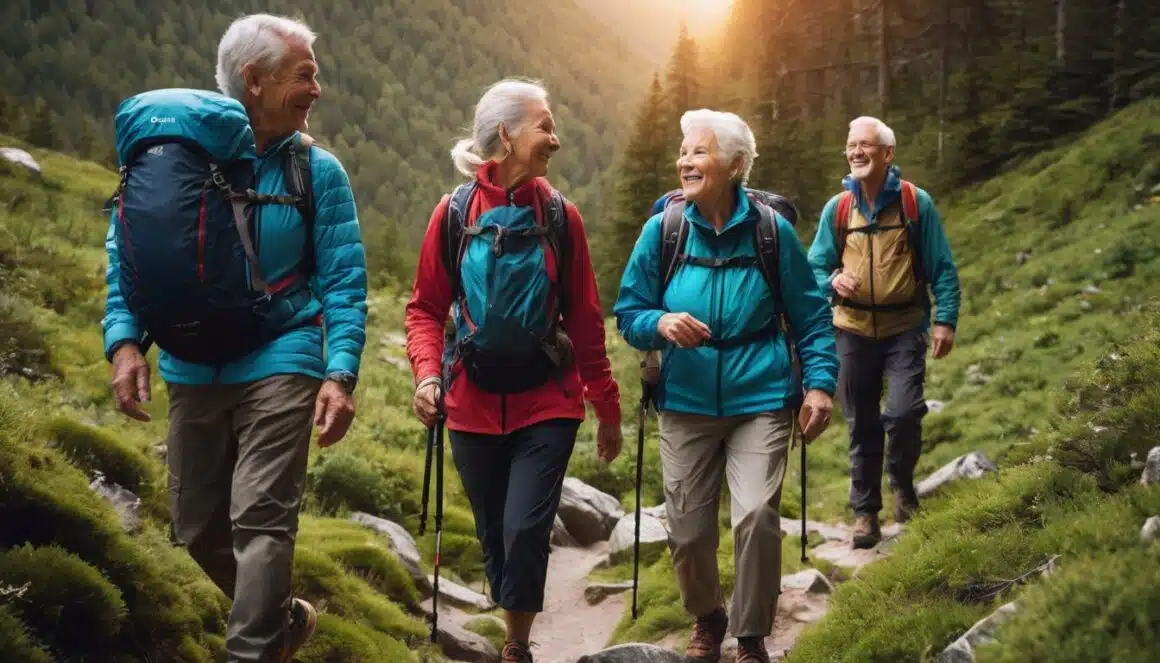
(654, 538)
(459, 644)
(969, 466)
(597, 592)
(633, 653)
(588, 513)
(963, 649)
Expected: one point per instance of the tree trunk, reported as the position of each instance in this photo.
(1060, 32)
(944, 72)
(1118, 50)
(848, 75)
(883, 59)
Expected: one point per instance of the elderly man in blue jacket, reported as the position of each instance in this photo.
(879, 249)
(239, 430)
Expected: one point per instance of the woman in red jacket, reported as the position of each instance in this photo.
(528, 343)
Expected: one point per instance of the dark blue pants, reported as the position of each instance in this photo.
(513, 482)
(865, 364)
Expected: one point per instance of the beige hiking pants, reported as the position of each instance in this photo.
(237, 470)
(750, 451)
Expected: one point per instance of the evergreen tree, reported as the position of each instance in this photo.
(645, 172)
(42, 127)
(681, 81)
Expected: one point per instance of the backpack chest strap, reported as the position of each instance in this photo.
(718, 263)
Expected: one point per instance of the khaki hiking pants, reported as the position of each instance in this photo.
(237, 470)
(751, 452)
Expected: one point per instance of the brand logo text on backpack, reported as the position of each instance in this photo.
(162, 120)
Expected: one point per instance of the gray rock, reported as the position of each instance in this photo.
(1150, 529)
(1022, 257)
(459, 644)
(597, 592)
(401, 543)
(811, 581)
(1151, 474)
(633, 653)
(124, 501)
(452, 593)
(970, 466)
(21, 158)
(792, 527)
(654, 536)
(588, 513)
(560, 535)
(934, 407)
(963, 649)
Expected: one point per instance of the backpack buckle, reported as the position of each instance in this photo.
(497, 243)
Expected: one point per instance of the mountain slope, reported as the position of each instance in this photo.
(399, 81)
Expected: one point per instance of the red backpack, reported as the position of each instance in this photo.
(909, 221)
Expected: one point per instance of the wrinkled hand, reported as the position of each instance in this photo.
(944, 340)
(609, 439)
(131, 381)
(683, 329)
(815, 414)
(426, 403)
(333, 413)
(846, 284)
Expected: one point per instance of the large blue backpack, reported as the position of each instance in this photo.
(185, 226)
(507, 335)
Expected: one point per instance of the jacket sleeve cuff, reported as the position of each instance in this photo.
(118, 335)
(607, 413)
(342, 363)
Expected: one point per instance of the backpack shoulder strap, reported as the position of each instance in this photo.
(454, 221)
(674, 234)
(842, 220)
(767, 244)
(909, 201)
(561, 243)
(296, 172)
(910, 220)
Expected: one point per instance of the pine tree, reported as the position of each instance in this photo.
(42, 127)
(681, 80)
(646, 171)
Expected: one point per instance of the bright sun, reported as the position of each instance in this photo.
(703, 16)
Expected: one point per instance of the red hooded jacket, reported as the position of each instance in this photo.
(469, 408)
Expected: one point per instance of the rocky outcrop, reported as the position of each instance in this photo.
(1151, 529)
(587, 513)
(459, 644)
(970, 466)
(1151, 474)
(124, 501)
(401, 544)
(633, 653)
(963, 649)
(452, 593)
(560, 535)
(654, 538)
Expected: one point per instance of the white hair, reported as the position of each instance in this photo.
(734, 137)
(258, 39)
(505, 102)
(885, 133)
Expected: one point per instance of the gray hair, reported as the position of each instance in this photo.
(885, 133)
(258, 39)
(505, 102)
(734, 137)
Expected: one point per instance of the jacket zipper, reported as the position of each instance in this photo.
(870, 248)
(719, 295)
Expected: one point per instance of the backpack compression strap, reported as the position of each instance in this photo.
(453, 224)
(561, 242)
(674, 233)
(296, 172)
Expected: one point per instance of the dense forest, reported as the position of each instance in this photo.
(400, 80)
(970, 87)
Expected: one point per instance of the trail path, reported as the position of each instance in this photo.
(569, 627)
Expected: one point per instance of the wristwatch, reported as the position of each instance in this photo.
(348, 381)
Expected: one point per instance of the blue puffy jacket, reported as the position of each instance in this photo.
(339, 284)
(733, 302)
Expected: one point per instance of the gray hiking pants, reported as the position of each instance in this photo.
(237, 470)
(865, 363)
(750, 452)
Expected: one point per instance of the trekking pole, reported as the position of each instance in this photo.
(438, 517)
(644, 398)
(803, 454)
(426, 479)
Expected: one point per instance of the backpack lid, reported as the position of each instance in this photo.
(215, 122)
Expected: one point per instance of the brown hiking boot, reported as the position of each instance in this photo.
(752, 650)
(867, 534)
(708, 633)
(516, 652)
(303, 620)
(904, 508)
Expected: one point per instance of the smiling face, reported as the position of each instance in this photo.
(279, 101)
(533, 148)
(703, 174)
(868, 158)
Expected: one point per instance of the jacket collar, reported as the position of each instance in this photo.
(741, 211)
(279, 144)
(529, 193)
(891, 191)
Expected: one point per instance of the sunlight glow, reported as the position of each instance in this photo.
(703, 16)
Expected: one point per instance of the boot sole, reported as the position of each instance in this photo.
(864, 542)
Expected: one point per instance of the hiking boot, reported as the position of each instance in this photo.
(303, 620)
(516, 652)
(867, 534)
(752, 650)
(708, 633)
(904, 508)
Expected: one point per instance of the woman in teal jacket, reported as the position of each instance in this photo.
(727, 388)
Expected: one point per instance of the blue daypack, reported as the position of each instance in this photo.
(184, 227)
(507, 334)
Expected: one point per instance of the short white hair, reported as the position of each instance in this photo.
(506, 102)
(734, 137)
(885, 133)
(258, 39)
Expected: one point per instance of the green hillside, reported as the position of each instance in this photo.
(1054, 376)
(399, 80)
